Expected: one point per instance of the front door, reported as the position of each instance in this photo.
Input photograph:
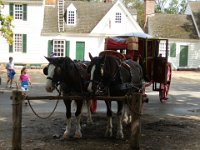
(183, 60)
(80, 50)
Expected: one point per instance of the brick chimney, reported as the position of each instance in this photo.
(50, 2)
(149, 10)
(107, 1)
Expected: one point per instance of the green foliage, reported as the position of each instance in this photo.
(137, 5)
(6, 26)
(170, 6)
(161, 6)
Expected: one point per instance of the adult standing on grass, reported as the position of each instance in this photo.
(10, 72)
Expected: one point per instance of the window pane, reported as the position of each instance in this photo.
(18, 43)
(118, 17)
(18, 12)
(58, 48)
(71, 17)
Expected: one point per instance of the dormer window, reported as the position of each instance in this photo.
(118, 17)
(70, 15)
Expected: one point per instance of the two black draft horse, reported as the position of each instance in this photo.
(70, 76)
(115, 78)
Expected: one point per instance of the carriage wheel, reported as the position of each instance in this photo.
(93, 106)
(164, 87)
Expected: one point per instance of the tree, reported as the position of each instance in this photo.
(170, 6)
(6, 26)
(161, 6)
(137, 5)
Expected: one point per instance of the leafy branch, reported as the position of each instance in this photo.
(6, 26)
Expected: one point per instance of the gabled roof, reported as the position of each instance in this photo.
(88, 16)
(195, 8)
(172, 26)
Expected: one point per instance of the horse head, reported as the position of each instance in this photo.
(103, 71)
(53, 72)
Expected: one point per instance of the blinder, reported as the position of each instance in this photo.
(57, 72)
(45, 70)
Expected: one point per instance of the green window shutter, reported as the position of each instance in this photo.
(24, 43)
(24, 12)
(67, 48)
(50, 47)
(10, 48)
(173, 50)
(11, 9)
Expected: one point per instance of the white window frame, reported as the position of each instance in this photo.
(18, 12)
(18, 43)
(118, 17)
(70, 17)
(59, 48)
(162, 48)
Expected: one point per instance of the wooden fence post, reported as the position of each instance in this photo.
(17, 119)
(136, 102)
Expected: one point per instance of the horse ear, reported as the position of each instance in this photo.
(90, 55)
(48, 58)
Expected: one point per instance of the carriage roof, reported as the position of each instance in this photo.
(135, 34)
(142, 41)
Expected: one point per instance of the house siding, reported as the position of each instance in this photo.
(107, 25)
(94, 45)
(193, 54)
(32, 28)
(37, 43)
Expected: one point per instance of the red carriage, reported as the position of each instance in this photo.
(151, 53)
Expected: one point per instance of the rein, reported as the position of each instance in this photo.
(50, 78)
(56, 85)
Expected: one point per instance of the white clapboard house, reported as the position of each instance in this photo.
(67, 28)
(183, 32)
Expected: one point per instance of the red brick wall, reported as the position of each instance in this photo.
(107, 1)
(50, 2)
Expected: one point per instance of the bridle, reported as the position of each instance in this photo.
(100, 83)
(55, 82)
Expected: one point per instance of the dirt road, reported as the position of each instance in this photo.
(171, 126)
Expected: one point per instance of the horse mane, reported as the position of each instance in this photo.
(74, 73)
(109, 62)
